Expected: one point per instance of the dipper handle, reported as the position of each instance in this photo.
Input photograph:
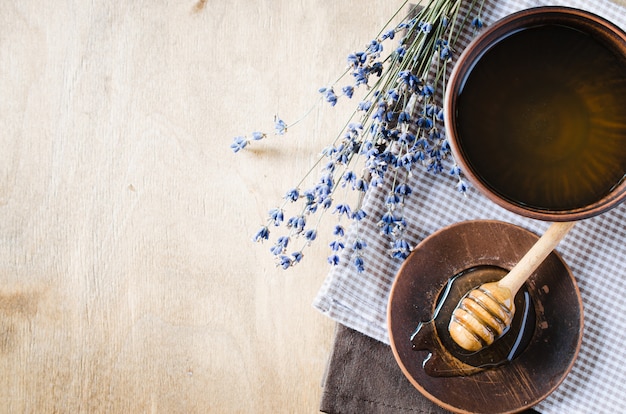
(535, 256)
(487, 311)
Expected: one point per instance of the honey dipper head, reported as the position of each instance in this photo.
(482, 316)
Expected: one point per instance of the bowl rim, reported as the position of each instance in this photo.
(583, 20)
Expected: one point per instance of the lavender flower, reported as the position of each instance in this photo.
(359, 264)
(262, 234)
(297, 223)
(276, 216)
(461, 186)
(359, 215)
(285, 261)
(359, 245)
(396, 130)
(400, 249)
(238, 144)
(339, 231)
(297, 257)
(310, 234)
(256, 136)
(389, 34)
(477, 22)
(329, 95)
(280, 246)
(342, 209)
(336, 245)
(280, 126)
(403, 190)
(292, 195)
(357, 59)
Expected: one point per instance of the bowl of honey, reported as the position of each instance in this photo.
(536, 113)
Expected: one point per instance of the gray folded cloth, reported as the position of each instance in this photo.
(363, 377)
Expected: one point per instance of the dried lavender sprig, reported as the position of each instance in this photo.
(391, 134)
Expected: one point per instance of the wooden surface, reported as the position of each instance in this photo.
(128, 279)
(128, 282)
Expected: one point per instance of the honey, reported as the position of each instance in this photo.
(541, 118)
(446, 357)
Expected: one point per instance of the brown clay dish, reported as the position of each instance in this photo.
(548, 356)
(598, 28)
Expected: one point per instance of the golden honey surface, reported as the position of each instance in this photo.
(542, 118)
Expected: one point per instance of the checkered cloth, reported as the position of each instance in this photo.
(595, 250)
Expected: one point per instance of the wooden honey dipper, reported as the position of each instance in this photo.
(487, 311)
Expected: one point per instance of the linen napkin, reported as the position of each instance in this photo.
(595, 251)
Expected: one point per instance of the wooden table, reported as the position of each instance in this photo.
(128, 279)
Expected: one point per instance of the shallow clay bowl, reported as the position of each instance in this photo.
(549, 354)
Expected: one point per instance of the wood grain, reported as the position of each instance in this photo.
(128, 281)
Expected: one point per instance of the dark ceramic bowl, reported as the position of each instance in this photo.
(542, 361)
(501, 184)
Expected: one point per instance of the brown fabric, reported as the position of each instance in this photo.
(363, 377)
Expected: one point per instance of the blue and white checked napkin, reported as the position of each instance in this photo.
(595, 250)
